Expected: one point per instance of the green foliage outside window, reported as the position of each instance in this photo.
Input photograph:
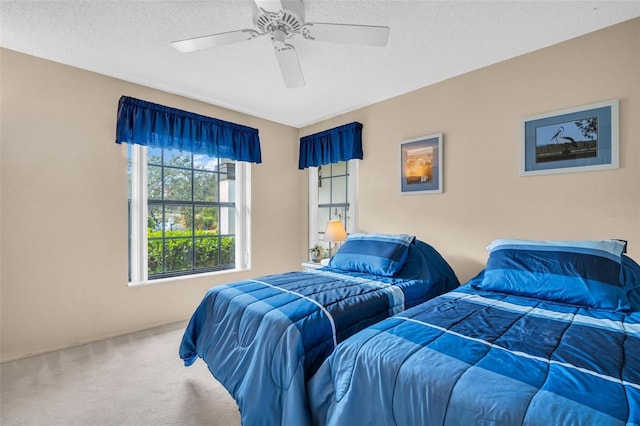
(210, 251)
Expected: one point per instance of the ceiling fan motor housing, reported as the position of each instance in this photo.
(282, 19)
(289, 20)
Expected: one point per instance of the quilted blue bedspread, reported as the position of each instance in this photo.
(264, 338)
(473, 357)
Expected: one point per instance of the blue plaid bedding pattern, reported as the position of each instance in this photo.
(473, 357)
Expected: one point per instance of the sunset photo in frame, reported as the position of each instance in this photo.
(421, 165)
(571, 140)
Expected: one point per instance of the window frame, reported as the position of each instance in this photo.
(138, 244)
(353, 167)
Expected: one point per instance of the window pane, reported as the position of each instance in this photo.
(154, 253)
(323, 218)
(339, 213)
(228, 168)
(206, 219)
(205, 186)
(339, 190)
(177, 184)
(228, 182)
(154, 183)
(227, 190)
(177, 254)
(339, 168)
(204, 162)
(207, 252)
(173, 157)
(228, 252)
(227, 220)
(154, 219)
(154, 155)
(178, 220)
(324, 191)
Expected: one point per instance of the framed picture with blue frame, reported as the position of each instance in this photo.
(571, 140)
(421, 165)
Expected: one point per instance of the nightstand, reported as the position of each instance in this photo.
(311, 265)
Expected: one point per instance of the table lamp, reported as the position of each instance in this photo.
(334, 233)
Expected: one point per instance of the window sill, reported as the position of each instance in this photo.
(184, 277)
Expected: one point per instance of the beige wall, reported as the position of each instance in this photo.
(480, 115)
(64, 223)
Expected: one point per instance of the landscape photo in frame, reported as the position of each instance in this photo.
(421, 165)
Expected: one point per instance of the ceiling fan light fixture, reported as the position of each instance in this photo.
(278, 36)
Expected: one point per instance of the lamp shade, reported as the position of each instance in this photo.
(335, 232)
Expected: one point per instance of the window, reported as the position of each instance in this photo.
(332, 195)
(187, 213)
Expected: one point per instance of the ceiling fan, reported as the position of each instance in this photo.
(282, 20)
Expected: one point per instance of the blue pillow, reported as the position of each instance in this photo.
(377, 254)
(583, 273)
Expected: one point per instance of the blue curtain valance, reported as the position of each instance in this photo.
(342, 143)
(158, 126)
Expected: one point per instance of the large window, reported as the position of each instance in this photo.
(332, 195)
(187, 213)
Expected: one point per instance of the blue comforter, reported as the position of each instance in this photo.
(264, 338)
(473, 357)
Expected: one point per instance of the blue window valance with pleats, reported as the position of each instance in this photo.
(341, 143)
(158, 126)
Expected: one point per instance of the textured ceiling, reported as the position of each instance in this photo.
(429, 41)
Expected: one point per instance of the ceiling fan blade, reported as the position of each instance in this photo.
(269, 6)
(367, 35)
(289, 65)
(213, 40)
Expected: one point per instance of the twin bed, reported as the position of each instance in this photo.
(264, 338)
(548, 333)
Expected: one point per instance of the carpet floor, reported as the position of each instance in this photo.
(132, 380)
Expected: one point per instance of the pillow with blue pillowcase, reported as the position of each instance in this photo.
(377, 254)
(583, 273)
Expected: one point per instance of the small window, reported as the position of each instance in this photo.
(187, 213)
(332, 195)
